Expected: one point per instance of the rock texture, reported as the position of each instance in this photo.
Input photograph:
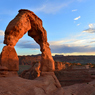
(27, 21)
(33, 72)
(69, 77)
(80, 89)
(28, 60)
(65, 76)
(9, 58)
(46, 84)
(59, 66)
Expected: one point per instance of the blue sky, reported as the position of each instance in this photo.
(70, 25)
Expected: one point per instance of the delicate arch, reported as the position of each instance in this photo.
(27, 21)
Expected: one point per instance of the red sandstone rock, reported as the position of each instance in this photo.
(33, 72)
(47, 83)
(59, 66)
(25, 21)
(28, 21)
(9, 58)
(80, 89)
(44, 85)
(68, 77)
(3, 68)
(28, 60)
(79, 64)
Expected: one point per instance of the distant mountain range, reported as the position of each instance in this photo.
(27, 60)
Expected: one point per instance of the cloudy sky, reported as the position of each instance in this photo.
(70, 25)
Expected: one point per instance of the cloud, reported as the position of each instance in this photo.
(92, 42)
(71, 49)
(58, 47)
(91, 28)
(83, 42)
(27, 44)
(1, 33)
(78, 24)
(92, 25)
(78, 43)
(51, 7)
(60, 42)
(74, 10)
(77, 18)
(75, 44)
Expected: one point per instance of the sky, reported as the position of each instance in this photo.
(70, 25)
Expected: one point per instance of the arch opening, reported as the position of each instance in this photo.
(25, 21)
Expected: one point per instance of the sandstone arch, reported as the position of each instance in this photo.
(26, 21)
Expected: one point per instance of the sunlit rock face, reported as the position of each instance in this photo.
(9, 58)
(26, 21)
(46, 83)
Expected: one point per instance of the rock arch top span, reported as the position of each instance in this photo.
(25, 21)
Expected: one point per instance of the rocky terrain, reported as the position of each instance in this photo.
(75, 59)
(27, 60)
(80, 89)
(42, 86)
(44, 77)
(46, 84)
(66, 73)
(75, 76)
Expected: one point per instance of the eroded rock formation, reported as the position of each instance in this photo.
(26, 21)
(9, 58)
(9, 61)
(47, 83)
(33, 72)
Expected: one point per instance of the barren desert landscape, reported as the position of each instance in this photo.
(47, 47)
